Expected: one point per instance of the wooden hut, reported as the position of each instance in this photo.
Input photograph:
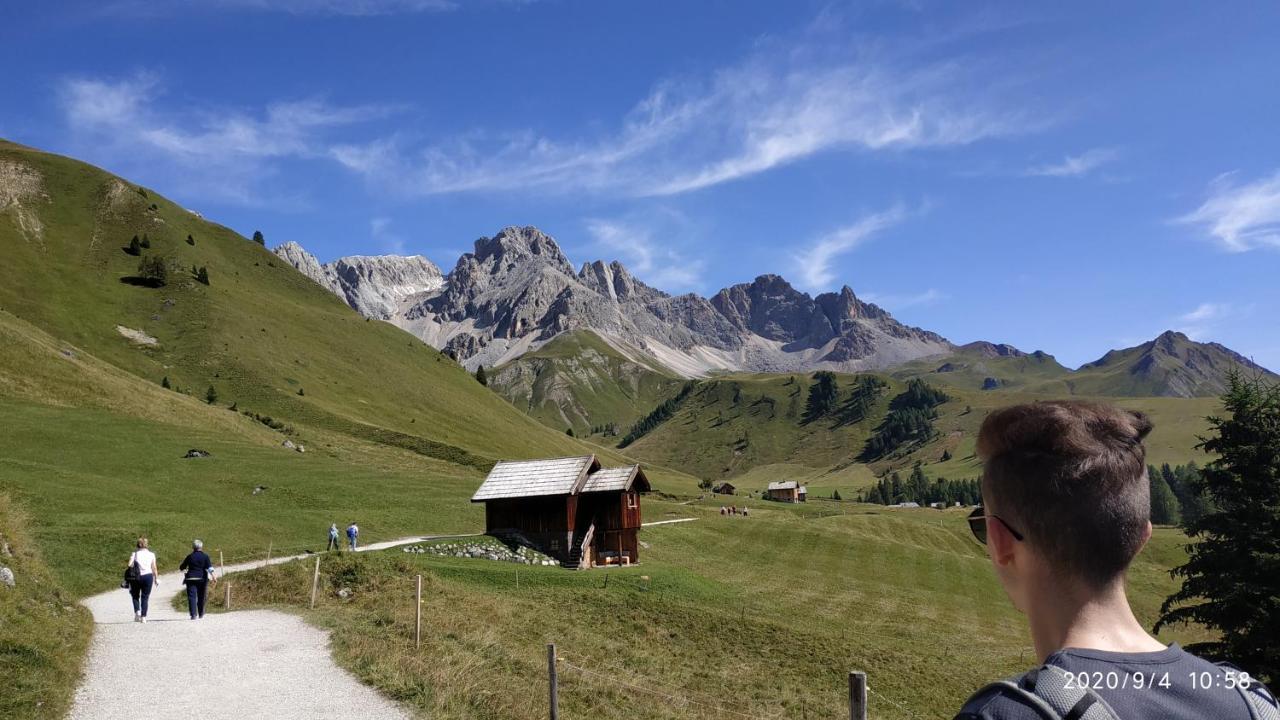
(570, 508)
(786, 491)
(724, 488)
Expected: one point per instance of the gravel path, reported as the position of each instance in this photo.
(241, 664)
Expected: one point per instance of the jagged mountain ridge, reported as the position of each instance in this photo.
(517, 291)
(373, 285)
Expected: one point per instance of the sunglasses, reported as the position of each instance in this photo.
(978, 524)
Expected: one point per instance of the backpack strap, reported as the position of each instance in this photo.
(1049, 691)
(1262, 704)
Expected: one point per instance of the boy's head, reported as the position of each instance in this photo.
(1071, 478)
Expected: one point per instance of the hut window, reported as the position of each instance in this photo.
(631, 500)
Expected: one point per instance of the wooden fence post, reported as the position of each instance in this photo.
(417, 616)
(226, 602)
(857, 695)
(269, 546)
(553, 681)
(315, 583)
(222, 563)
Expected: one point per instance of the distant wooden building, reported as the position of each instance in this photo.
(786, 491)
(569, 508)
(724, 488)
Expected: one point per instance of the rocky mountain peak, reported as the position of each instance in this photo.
(993, 350)
(374, 285)
(517, 245)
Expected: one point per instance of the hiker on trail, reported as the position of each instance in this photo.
(333, 538)
(142, 575)
(1066, 507)
(353, 534)
(744, 512)
(198, 571)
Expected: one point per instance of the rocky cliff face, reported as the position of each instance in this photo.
(516, 291)
(374, 286)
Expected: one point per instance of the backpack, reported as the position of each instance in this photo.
(132, 574)
(1049, 690)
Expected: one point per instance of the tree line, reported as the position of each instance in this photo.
(908, 422)
(891, 489)
(657, 416)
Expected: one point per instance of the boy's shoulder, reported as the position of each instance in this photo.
(1136, 686)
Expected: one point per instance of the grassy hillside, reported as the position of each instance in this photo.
(43, 632)
(264, 336)
(579, 381)
(761, 616)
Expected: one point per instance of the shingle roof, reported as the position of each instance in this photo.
(615, 479)
(783, 485)
(531, 478)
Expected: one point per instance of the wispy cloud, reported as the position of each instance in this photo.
(1241, 217)
(222, 152)
(657, 264)
(386, 239)
(1075, 165)
(775, 107)
(814, 263)
(896, 301)
(1202, 322)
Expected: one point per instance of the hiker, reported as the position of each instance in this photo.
(142, 575)
(1066, 507)
(353, 534)
(198, 569)
(333, 538)
(744, 512)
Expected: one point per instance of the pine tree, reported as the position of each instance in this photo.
(191, 240)
(1164, 505)
(823, 394)
(257, 237)
(946, 455)
(153, 270)
(135, 246)
(481, 377)
(569, 431)
(301, 392)
(164, 383)
(203, 275)
(1229, 581)
(211, 395)
(146, 241)
(835, 495)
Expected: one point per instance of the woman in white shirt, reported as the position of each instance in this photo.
(148, 576)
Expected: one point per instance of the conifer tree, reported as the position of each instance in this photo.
(258, 238)
(164, 383)
(203, 275)
(211, 395)
(1229, 583)
(481, 376)
(1164, 505)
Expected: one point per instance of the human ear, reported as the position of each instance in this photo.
(1001, 542)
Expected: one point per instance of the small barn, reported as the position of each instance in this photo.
(724, 488)
(569, 508)
(786, 491)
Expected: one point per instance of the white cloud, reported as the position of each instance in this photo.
(899, 301)
(655, 263)
(776, 107)
(386, 239)
(1241, 217)
(220, 152)
(814, 262)
(1205, 312)
(1204, 320)
(1075, 165)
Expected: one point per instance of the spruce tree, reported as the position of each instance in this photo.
(211, 395)
(135, 246)
(823, 394)
(257, 237)
(164, 383)
(481, 376)
(1230, 582)
(203, 275)
(1164, 505)
(191, 240)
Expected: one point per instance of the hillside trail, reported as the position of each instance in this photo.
(239, 664)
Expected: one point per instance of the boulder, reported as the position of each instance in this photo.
(288, 445)
(194, 453)
(6, 576)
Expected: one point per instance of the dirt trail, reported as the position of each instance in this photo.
(241, 664)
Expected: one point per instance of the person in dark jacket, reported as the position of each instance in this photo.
(1065, 508)
(198, 571)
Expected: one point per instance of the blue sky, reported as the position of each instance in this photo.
(1071, 179)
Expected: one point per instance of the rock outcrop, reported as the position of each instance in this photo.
(374, 285)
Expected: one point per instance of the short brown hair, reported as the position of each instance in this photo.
(1072, 477)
